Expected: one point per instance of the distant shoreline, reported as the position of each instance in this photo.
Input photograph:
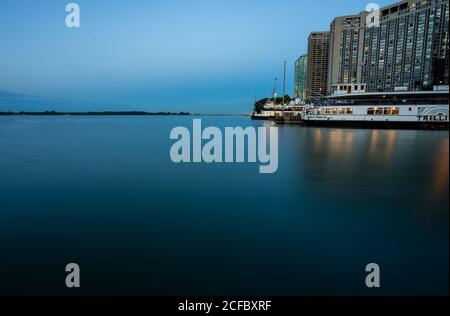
(95, 113)
(111, 113)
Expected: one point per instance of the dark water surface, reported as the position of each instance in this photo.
(103, 192)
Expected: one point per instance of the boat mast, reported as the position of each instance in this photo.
(275, 92)
(284, 86)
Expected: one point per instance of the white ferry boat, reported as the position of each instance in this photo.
(400, 109)
(271, 111)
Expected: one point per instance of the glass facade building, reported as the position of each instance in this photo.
(301, 66)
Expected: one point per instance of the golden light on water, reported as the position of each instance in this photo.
(317, 139)
(440, 177)
(391, 139)
(382, 145)
(335, 142)
(373, 143)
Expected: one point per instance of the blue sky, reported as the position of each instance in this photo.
(207, 56)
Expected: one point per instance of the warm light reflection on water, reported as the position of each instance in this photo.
(391, 138)
(341, 144)
(381, 146)
(440, 173)
(373, 147)
(385, 162)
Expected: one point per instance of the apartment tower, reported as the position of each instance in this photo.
(317, 69)
(408, 50)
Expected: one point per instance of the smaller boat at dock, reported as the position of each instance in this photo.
(276, 112)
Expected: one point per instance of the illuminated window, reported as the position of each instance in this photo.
(396, 111)
(329, 111)
(335, 111)
(349, 111)
(341, 111)
(387, 111)
(370, 111)
(378, 111)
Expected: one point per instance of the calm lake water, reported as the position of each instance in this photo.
(103, 192)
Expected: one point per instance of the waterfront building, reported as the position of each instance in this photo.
(300, 77)
(408, 51)
(346, 50)
(317, 69)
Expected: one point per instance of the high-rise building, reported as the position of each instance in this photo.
(301, 66)
(317, 70)
(409, 50)
(346, 50)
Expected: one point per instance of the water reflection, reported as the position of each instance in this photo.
(440, 175)
(384, 164)
(381, 146)
(340, 199)
(340, 143)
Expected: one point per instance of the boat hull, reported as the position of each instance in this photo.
(262, 118)
(378, 124)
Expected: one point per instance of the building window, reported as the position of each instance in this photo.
(370, 111)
